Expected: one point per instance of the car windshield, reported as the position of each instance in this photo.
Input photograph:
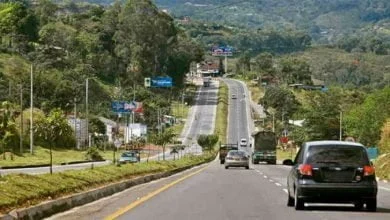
(336, 154)
(128, 154)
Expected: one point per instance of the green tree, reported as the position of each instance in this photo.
(296, 71)
(9, 137)
(52, 129)
(366, 120)
(207, 142)
(163, 138)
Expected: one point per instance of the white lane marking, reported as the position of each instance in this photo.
(278, 184)
(384, 188)
(258, 171)
(271, 181)
(285, 190)
(265, 176)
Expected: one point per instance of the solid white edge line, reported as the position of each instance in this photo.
(384, 188)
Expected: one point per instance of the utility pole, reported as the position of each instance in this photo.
(273, 122)
(86, 111)
(75, 123)
(182, 105)
(226, 64)
(341, 125)
(31, 111)
(21, 119)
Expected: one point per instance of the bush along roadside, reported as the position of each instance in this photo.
(382, 167)
(23, 190)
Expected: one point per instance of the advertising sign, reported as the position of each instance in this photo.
(222, 51)
(126, 107)
(161, 82)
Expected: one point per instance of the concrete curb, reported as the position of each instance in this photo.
(48, 208)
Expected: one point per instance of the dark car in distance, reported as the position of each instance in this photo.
(332, 172)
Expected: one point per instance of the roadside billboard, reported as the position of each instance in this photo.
(161, 82)
(222, 51)
(126, 107)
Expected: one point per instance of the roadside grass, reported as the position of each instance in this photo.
(222, 112)
(382, 166)
(21, 190)
(179, 110)
(41, 156)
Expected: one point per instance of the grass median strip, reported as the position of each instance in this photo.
(222, 112)
(26, 190)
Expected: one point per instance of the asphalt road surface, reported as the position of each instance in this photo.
(212, 192)
(240, 124)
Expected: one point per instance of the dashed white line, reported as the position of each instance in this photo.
(285, 190)
(278, 184)
(271, 181)
(265, 176)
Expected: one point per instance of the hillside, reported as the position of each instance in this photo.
(335, 66)
(325, 20)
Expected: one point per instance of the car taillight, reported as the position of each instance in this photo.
(368, 170)
(306, 170)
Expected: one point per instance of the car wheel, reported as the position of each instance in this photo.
(290, 200)
(371, 205)
(226, 167)
(358, 205)
(247, 167)
(298, 203)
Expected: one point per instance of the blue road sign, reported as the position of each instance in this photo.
(161, 82)
(373, 153)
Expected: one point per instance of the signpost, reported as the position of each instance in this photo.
(222, 51)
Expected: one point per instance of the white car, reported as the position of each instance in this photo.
(243, 142)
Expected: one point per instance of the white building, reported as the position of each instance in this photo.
(110, 128)
(133, 131)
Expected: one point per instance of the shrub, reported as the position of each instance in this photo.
(93, 154)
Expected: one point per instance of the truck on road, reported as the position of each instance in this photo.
(224, 149)
(206, 81)
(264, 147)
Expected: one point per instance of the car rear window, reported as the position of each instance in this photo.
(236, 153)
(339, 154)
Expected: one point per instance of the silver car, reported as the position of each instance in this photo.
(237, 158)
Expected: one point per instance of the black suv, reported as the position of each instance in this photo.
(332, 172)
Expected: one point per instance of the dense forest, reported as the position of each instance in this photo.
(114, 47)
(326, 21)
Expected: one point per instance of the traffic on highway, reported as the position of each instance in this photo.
(326, 180)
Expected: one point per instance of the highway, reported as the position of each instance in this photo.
(212, 192)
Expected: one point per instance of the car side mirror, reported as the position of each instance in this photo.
(288, 162)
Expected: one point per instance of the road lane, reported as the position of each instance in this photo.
(217, 193)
